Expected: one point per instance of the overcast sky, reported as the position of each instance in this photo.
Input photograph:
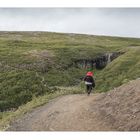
(97, 21)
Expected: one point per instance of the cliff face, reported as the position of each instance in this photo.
(99, 62)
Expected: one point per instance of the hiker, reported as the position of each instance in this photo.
(89, 81)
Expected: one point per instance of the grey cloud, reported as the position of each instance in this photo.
(100, 21)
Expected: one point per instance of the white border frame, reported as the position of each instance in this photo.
(69, 3)
(69, 135)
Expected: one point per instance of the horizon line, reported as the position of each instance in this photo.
(76, 33)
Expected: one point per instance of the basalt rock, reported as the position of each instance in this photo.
(99, 62)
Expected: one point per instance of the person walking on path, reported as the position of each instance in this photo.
(89, 82)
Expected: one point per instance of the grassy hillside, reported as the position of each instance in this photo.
(120, 71)
(36, 63)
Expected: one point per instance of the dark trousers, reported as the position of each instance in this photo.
(89, 88)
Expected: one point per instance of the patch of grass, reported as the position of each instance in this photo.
(19, 87)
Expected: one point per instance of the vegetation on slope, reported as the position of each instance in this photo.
(120, 71)
(33, 63)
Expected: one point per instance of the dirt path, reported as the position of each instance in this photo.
(66, 113)
(118, 109)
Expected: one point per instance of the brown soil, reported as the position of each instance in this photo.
(116, 110)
